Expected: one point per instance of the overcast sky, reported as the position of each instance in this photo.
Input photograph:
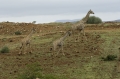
(44, 11)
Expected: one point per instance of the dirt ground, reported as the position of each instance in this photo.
(77, 54)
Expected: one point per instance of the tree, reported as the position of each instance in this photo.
(94, 20)
(34, 22)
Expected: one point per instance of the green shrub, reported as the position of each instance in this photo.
(109, 58)
(5, 50)
(18, 33)
(94, 20)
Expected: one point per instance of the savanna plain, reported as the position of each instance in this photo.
(83, 58)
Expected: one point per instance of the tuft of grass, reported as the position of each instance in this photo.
(18, 33)
(109, 58)
(5, 50)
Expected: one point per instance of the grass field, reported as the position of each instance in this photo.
(82, 59)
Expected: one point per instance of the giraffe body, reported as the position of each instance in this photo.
(59, 42)
(81, 24)
(25, 42)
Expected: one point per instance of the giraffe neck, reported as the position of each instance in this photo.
(86, 17)
(30, 35)
(63, 38)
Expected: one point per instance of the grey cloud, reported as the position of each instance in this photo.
(54, 7)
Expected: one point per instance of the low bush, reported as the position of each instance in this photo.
(109, 58)
(18, 33)
(4, 50)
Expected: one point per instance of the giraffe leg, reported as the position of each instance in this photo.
(83, 32)
(30, 48)
(54, 48)
(73, 32)
(62, 50)
(77, 40)
(78, 36)
(84, 35)
(58, 51)
(20, 51)
(24, 49)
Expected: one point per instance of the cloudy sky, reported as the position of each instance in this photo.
(44, 11)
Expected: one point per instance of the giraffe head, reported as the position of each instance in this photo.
(91, 12)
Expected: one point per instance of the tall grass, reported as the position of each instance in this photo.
(34, 71)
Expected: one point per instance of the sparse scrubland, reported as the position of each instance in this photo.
(94, 58)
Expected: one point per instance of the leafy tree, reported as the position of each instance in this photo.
(34, 22)
(94, 20)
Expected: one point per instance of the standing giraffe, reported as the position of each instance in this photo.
(26, 41)
(59, 42)
(81, 24)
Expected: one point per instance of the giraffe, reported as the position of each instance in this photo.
(59, 42)
(81, 24)
(26, 41)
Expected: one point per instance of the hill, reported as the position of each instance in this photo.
(117, 20)
(67, 20)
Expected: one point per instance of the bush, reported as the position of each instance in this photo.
(5, 50)
(109, 58)
(18, 33)
(94, 20)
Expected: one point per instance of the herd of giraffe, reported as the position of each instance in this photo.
(59, 42)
